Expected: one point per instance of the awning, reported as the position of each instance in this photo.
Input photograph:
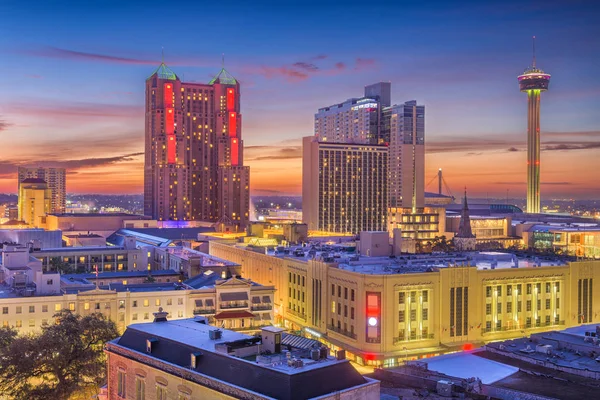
(198, 303)
(234, 314)
(234, 296)
(266, 299)
(209, 303)
(299, 342)
(256, 300)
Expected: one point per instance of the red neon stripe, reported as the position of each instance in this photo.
(232, 124)
(170, 123)
(235, 153)
(230, 99)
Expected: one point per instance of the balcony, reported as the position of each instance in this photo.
(296, 313)
(262, 308)
(526, 326)
(233, 306)
(204, 311)
(412, 339)
(341, 331)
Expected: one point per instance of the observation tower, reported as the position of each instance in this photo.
(533, 81)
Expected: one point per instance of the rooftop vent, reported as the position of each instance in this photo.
(215, 334)
(160, 316)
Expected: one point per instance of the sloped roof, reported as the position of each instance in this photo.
(164, 72)
(33, 180)
(224, 78)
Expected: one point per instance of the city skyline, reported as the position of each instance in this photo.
(77, 101)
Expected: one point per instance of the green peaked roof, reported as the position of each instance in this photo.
(164, 72)
(224, 78)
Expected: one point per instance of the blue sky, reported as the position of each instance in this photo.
(72, 83)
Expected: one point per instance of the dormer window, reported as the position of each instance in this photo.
(151, 344)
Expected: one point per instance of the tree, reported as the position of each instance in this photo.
(61, 360)
(440, 243)
(59, 265)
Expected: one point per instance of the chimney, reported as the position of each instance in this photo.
(160, 316)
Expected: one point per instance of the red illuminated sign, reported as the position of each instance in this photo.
(373, 316)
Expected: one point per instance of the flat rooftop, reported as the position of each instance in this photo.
(206, 260)
(82, 249)
(120, 274)
(414, 263)
(196, 334)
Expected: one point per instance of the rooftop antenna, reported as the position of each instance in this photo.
(222, 60)
(162, 55)
(534, 52)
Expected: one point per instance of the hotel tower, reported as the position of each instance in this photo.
(194, 168)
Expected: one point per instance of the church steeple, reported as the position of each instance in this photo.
(464, 228)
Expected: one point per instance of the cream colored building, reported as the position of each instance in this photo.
(383, 311)
(35, 201)
(29, 297)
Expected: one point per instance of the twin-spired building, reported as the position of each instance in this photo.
(383, 310)
(194, 163)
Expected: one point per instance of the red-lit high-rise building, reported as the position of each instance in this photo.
(194, 165)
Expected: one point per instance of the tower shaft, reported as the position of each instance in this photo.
(533, 150)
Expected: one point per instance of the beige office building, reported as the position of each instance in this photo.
(383, 311)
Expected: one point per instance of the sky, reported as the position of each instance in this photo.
(72, 79)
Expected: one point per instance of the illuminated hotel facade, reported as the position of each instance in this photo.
(533, 82)
(373, 120)
(383, 312)
(344, 186)
(194, 169)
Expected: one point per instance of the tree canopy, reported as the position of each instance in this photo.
(62, 359)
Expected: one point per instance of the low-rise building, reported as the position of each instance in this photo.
(128, 257)
(188, 359)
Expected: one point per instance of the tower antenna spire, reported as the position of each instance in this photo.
(534, 52)
(162, 54)
(222, 60)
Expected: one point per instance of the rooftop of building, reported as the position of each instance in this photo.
(119, 275)
(87, 286)
(206, 260)
(33, 180)
(223, 78)
(164, 72)
(576, 348)
(173, 342)
(160, 237)
(80, 249)
(98, 215)
(347, 259)
(437, 195)
(83, 235)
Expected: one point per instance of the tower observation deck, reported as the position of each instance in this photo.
(533, 81)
